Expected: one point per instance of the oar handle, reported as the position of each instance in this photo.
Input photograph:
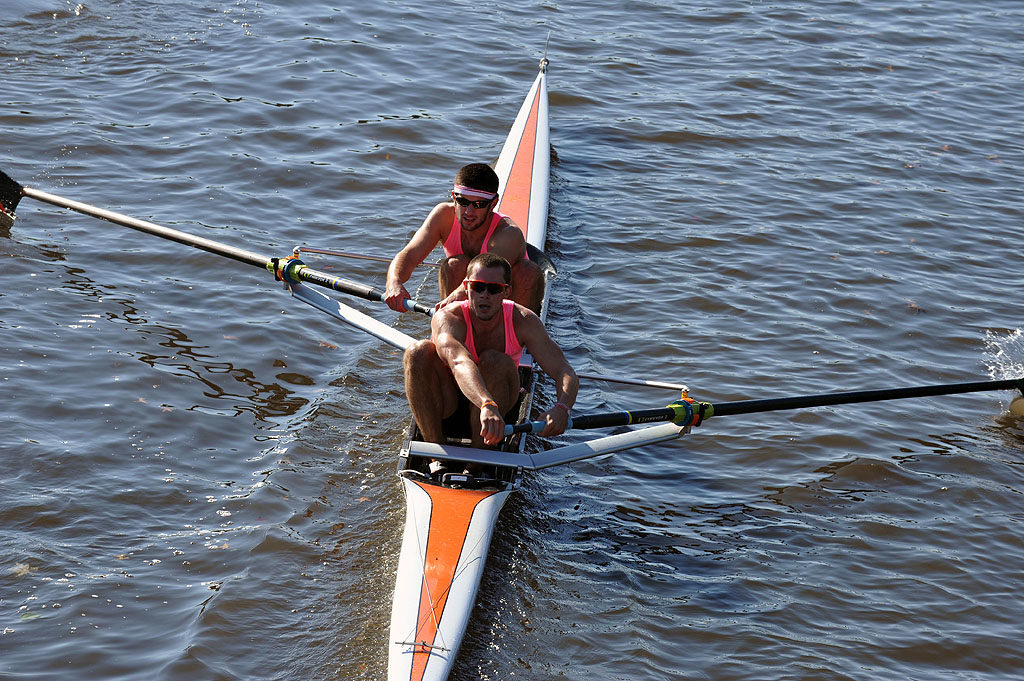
(416, 306)
(528, 427)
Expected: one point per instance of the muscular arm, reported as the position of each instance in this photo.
(426, 238)
(532, 334)
(448, 328)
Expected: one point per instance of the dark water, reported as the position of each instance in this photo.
(756, 199)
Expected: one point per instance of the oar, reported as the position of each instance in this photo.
(291, 270)
(679, 387)
(686, 411)
(299, 250)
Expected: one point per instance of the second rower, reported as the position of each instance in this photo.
(467, 226)
(473, 355)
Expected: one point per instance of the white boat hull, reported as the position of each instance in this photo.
(447, 535)
(448, 528)
(524, 167)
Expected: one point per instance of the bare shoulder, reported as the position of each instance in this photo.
(448, 318)
(440, 218)
(508, 241)
(427, 236)
(526, 322)
(509, 226)
(446, 207)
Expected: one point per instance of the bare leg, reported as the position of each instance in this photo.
(528, 284)
(501, 376)
(451, 273)
(430, 388)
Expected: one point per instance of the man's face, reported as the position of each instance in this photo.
(472, 212)
(486, 288)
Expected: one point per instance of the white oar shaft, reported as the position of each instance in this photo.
(150, 228)
(633, 381)
(286, 269)
(343, 254)
(351, 316)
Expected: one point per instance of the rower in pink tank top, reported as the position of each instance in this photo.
(453, 244)
(513, 348)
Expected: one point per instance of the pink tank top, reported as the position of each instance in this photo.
(453, 244)
(512, 346)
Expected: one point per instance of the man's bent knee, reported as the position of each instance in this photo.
(451, 273)
(419, 353)
(528, 284)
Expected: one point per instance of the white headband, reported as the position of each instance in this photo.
(477, 193)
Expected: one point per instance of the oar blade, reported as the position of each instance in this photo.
(10, 195)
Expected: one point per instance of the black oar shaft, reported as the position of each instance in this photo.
(828, 399)
(685, 411)
(623, 418)
(354, 288)
(151, 228)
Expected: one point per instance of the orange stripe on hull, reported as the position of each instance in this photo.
(515, 197)
(451, 511)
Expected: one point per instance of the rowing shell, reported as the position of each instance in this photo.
(450, 520)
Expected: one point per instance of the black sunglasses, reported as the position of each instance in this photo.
(490, 287)
(463, 201)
